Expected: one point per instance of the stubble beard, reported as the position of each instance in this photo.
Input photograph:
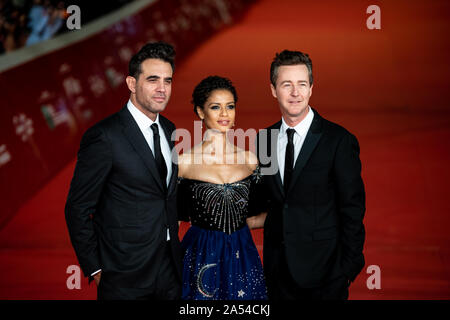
(152, 108)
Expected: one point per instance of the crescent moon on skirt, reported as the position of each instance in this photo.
(200, 286)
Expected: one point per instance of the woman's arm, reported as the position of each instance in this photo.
(256, 222)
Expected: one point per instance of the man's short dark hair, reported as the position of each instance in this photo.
(154, 50)
(290, 58)
(204, 89)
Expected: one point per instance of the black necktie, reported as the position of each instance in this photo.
(158, 154)
(289, 159)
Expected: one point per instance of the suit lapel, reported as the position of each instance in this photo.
(312, 138)
(137, 140)
(277, 176)
(273, 155)
(168, 134)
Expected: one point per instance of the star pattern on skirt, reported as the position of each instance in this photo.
(241, 293)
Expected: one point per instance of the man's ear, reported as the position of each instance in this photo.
(131, 83)
(310, 89)
(200, 112)
(274, 92)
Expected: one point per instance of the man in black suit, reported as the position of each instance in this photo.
(121, 208)
(313, 230)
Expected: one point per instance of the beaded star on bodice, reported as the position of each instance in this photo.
(222, 207)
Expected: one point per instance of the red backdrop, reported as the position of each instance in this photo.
(47, 103)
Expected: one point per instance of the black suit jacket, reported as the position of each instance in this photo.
(318, 224)
(118, 209)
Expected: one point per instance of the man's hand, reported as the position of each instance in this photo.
(97, 277)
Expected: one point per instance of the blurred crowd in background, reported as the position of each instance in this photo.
(26, 22)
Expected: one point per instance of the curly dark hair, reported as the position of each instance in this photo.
(154, 50)
(204, 89)
(290, 58)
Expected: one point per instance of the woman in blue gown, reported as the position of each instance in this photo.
(217, 192)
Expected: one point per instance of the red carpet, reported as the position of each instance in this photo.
(388, 87)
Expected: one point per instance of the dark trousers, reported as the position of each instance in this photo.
(281, 286)
(167, 285)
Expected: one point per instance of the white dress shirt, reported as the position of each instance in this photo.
(144, 124)
(301, 129)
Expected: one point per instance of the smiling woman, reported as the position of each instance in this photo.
(218, 112)
(217, 196)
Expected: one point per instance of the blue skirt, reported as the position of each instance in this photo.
(218, 266)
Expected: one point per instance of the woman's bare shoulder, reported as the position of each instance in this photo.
(184, 162)
(251, 159)
(188, 159)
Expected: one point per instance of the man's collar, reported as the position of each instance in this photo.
(302, 127)
(142, 120)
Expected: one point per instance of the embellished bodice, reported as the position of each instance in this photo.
(221, 207)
